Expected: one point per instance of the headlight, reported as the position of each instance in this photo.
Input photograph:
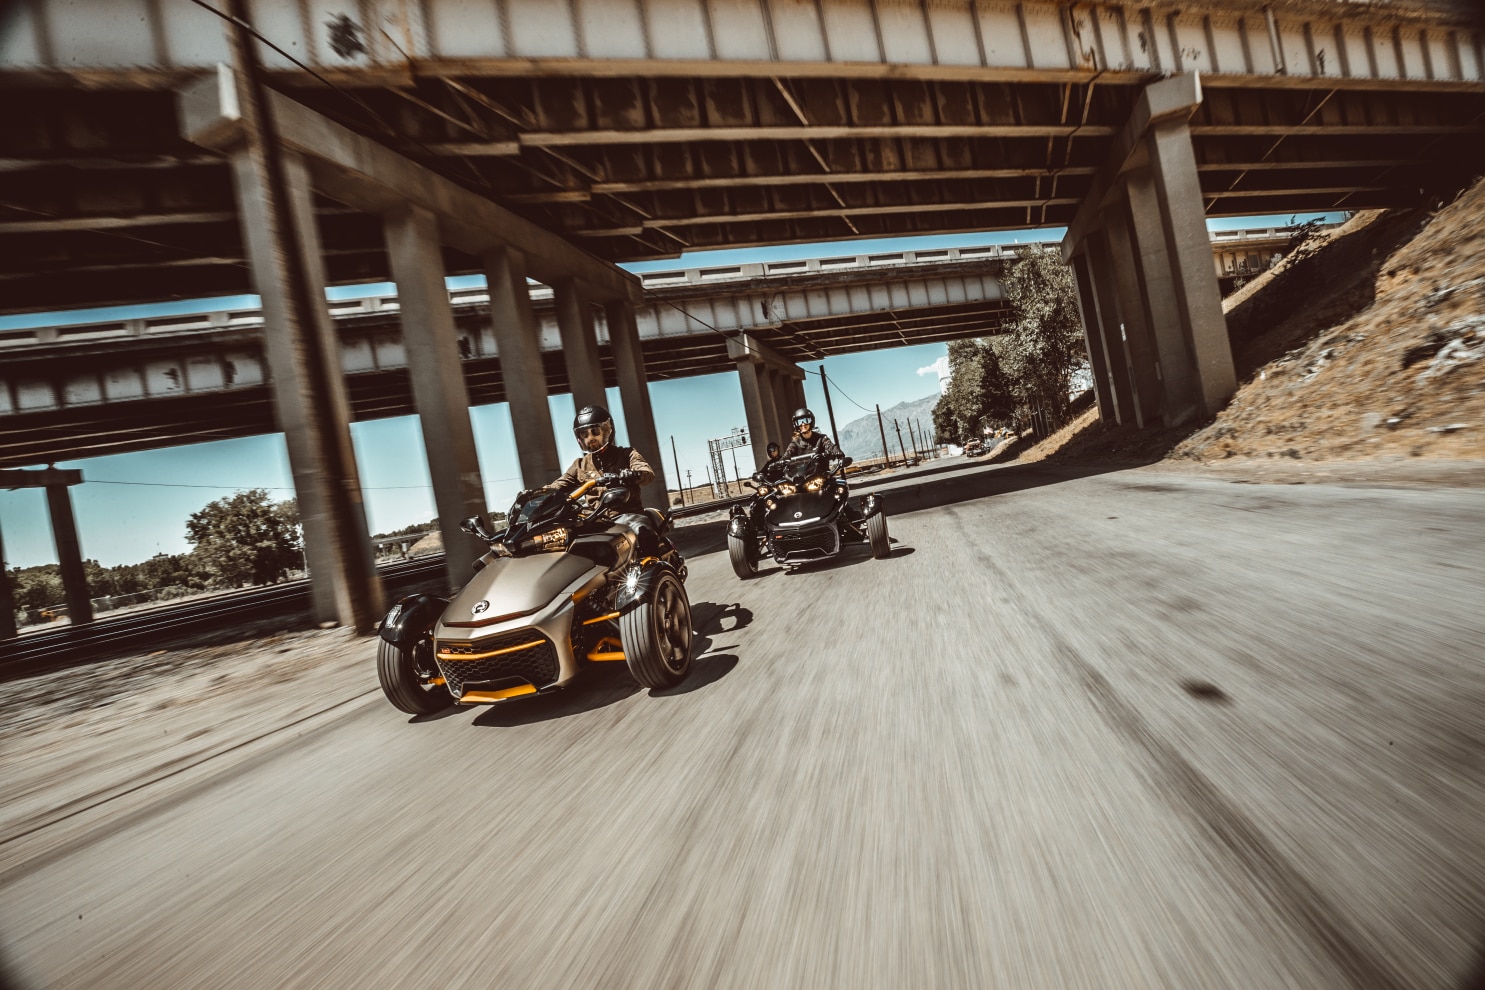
(631, 580)
(786, 489)
(815, 483)
(770, 504)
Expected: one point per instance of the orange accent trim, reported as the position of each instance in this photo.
(601, 618)
(493, 653)
(437, 680)
(486, 697)
(581, 489)
(599, 655)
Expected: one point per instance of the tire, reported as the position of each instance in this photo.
(876, 531)
(656, 635)
(743, 564)
(396, 668)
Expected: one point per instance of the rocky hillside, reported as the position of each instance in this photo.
(862, 438)
(1367, 343)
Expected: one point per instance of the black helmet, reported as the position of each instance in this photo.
(589, 419)
(802, 416)
(774, 449)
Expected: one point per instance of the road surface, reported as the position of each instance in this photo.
(1131, 729)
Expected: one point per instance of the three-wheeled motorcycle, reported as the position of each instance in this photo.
(565, 584)
(802, 513)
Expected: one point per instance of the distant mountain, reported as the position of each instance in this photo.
(862, 438)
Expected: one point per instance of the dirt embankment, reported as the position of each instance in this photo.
(1367, 344)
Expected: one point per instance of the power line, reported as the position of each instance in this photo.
(271, 488)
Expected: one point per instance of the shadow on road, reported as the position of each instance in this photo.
(704, 671)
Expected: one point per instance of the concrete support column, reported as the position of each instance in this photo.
(8, 628)
(437, 374)
(309, 395)
(1180, 391)
(579, 343)
(634, 393)
(1199, 298)
(757, 401)
(69, 555)
(1139, 347)
(1110, 321)
(1093, 337)
(518, 342)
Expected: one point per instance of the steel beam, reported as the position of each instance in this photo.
(367, 176)
(522, 372)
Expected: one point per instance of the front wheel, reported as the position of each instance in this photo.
(408, 679)
(656, 635)
(743, 564)
(876, 531)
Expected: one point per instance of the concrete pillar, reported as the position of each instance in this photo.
(7, 599)
(1093, 337)
(437, 374)
(634, 393)
(1110, 339)
(1198, 297)
(69, 555)
(518, 341)
(1139, 347)
(1180, 391)
(579, 344)
(309, 395)
(756, 405)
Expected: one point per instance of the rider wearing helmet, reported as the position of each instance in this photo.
(594, 429)
(808, 440)
(774, 468)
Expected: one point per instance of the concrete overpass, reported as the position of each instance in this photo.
(416, 139)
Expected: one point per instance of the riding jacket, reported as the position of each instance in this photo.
(610, 460)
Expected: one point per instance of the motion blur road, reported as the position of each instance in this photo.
(1134, 729)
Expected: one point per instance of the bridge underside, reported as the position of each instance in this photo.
(95, 429)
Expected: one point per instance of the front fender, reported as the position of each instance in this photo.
(738, 525)
(631, 595)
(411, 619)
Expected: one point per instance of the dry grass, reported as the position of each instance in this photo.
(1368, 343)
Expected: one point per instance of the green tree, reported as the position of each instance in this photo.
(978, 393)
(245, 538)
(1043, 345)
(37, 587)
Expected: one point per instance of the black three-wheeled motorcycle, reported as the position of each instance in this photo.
(801, 512)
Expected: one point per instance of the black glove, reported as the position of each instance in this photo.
(526, 493)
(628, 477)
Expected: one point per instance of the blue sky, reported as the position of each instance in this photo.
(132, 506)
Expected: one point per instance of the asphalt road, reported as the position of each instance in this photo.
(1123, 730)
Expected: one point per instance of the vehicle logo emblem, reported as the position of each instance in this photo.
(480, 607)
(798, 514)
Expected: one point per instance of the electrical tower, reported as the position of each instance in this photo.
(737, 438)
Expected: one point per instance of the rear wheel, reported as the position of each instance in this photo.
(656, 635)
(407, 679)
(738, 551)
(876, 531)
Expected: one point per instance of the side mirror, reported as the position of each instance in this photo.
(475, 526)
(613, 496)
(748, 483)
(847, 462)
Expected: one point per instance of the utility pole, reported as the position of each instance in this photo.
(735, 472)
(899, 442)
(886, 454)
(916, 452)
(675, 457)
(688, 478)
(825, 383)
(712, 485)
